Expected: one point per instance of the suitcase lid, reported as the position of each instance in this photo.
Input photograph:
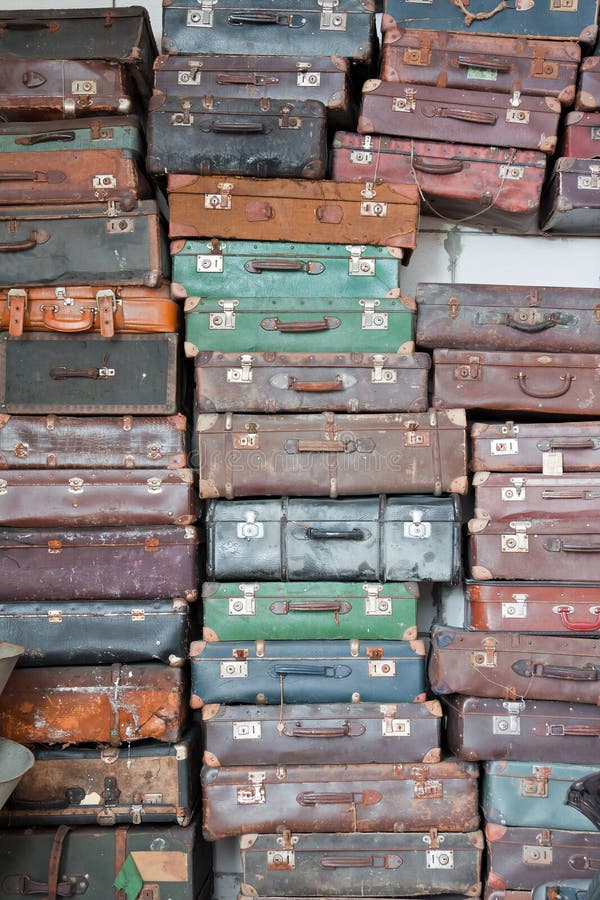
(552, 711)
(331, 590)
(214, 62)
(324, 712)
(589, 168)
(446, 639)
(58, 539)
(267, 250)
(448, 769)
(486, 46)
(547, 432)
(555, 772)
(297, 512)
(75, 211)
(140, 676)
(154, 479)
(352, 843)
(159, 294)
(212, 359)
(94, 609)
(262, 108)
(518, 359)
(528, 302)
(306, 7)
(521, 529)
(371, 423)
(307, 651)
(472, 99)
(123, 132)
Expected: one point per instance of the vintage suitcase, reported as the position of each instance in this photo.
(581, 135)
(377, 865)
(99, 563)
(507, 317)
(340, 798)
(66, 498)
(309, 382)
(552, 730)
(323, 78)
(285, 28)
(271, 269)
(163, 861)
(583, 796)
(539, 21)
(294, 209)
(509, 666)
(521, 381)
(532, 794)
(446, 897)
(98, 133)
(488, 186)
(236, 136)
(147, 782)
(82, 244)
(571, 202)
(548, 447)
(123, 703)
(89, 632)
(473, 61)
(329, 455)
(308, 610)
(469, 116)
(351, 733)
(503, 497)
(300, 324)
(109, 442)
(413, 538)
(89, 374)
(546, 606)
(74, 309)
(587, 97)
(317, 671)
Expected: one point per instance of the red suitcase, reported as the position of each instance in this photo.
(581, 135)
(548, 447)
(503, 497)
(542, 606)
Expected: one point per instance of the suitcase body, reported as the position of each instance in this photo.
(340, 798)
(548, 447)
(92, 243)
(89, 633)
(290, 27)
(553, 730)
(325, 454)
(345, 865)
(588, 87)
(545, 606)
(502, 497)
(149, 782)
(89, 374)
(505, 317)
(469, 116)
(473, 61)
(109, 442)
(308, 610)
(98, 133)
(572, 200)
(412, 538)
(122, 703)
(563, 383)
(581, 135)
(99, 563)
(288, 209)
(492, 186)
(277, 672)
(265, 138)
(504, 665)
(348, 733)
(274, 382)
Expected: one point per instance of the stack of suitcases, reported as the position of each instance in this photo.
(228, 490)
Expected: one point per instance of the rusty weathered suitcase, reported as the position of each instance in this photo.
(324, 454)
(545, 606)
(102, 442)
(581, 135)
(292, 209)
(308, 382)
(99, 563)
(508, 666)
(504, 497)
(562, 383)
(122, 703)
(470, 116)
(489, 186)
(548, 447)
(588, 86)
(507, 317)
(340, 798)
(468, 61)
(551, 730)
(346, 733)
(571, 202)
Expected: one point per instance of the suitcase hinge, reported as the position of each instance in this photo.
(55, 616)
(564, 5)
(517, 542)
(138, 615)
(246, 731)
(224, 321)
(589, 182)
(250, 530)
(370, 207)
(535, 785)
(379, 375)
(371, 320)
(243, 374)
(331, 20)
(517, 492)
(406, 104)
(391, 727)
(202, 18)
(416, 529)
(471, 369)
(595, 133)
(375, 604)
(515, 608)
(356, 264)
(3, 486)
(486, 658)
(245, 605)
(255, 793)
(222, 200)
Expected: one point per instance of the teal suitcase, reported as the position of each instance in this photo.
(102, 133)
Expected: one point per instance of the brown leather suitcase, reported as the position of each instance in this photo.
(66, 498)
(571, 200)
(301, 382)
(324, 454)
(122, 703)
(340, 798)
(288, 209)
(588, 88)
(121, 309)
(544, 606)
(486, 186)
(507, 317)
(581, 135)
(562, 383)
(548, 447)
(468, 61)
(502, 497)
(467, 116)
(510, 666)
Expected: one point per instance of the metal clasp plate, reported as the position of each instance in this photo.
(371, 320)
(506, 725)
(516, 492)
(233, 668)
(246, 731)
(185, 117)
(104, 181)
(209, 262)
(246, 605)
(517, 116)
(281, 860)
(512, 173)
(222, 200)
(243, 374)
(486, 658)
(83, 87)
(330, 20)
(417, 529)
(203, 17)
(358, 265)
(308, 79)
(361, 157)
(379, 375)
(381, 668)
(504, 447)
(391, 727)
(535, 785)
(537, 856)
(406, 104)
(590, 182)
(564, 5)
(515, 608)
(439, 859)
(255, 792)
(250, 530)
(517, 542)
(375, 604)
(193, 76)
(226, 319)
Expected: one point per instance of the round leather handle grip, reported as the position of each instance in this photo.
(531, 327)
(316, 534)
(567, 379)
(317, 387)
(257, 18)
(448, 168)
(20, 246)
(565, 611)
(53, 323)
(484, 62)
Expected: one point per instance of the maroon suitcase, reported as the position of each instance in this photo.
(542, 68)
(510, 666)
(503, 497)
(474, 116)
(588, 89)
(543, 606)
(488, 186)
(581, 135)
(548, 447)
(571, 199)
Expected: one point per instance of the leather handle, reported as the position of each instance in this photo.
(302, 327)
(567, 378)
(46, 137)
(570, 495)
(53, 323)
(530, 669)
(330, 798)
(23, 885)
(573, 444)
(580, 861)
(484, 62)
(24, 176)
(565, 611)
(326, 446)
(60, 373)
(257, 266)
(334, 731)
(237, 128)
(20, 246)
(283, 607)
(251, 78)
(559, 730)
(465, 115)
(287, 20)
(531, 327)
(54, 861)
(28, 24)
(385, 861)
(447, 168)
(317, 534)
(317, 387)
(557, 545)
(310, 669)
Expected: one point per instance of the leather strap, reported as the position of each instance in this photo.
(120, 855)
(105, 314)
(54, 861)
(17, 315)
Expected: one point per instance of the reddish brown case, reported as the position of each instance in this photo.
(542, 606)
(588, 88)
(581, 135)
(571, 199)
(548, 447)
(503, 497)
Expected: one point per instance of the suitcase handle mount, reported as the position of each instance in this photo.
(317, 534)
(310, 266)
(35, 238)
(257, 18)
(567, 378)
(565, 611)
(531, 669)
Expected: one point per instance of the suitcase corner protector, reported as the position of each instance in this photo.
(459, 485)
(209, 635)
(190, 350)
(196, 702)
(209, 759)
(480, 573)
(247, 841)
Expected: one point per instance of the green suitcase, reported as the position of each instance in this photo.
(277, 269)
(102, 133)
(309, 610)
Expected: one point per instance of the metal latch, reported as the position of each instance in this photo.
(369, 206)
(517, 542)
(3, 486)
(285, 120)
(486, 658)
(246, 731)
(203, 17)
(250, 530)
(564, 5)
(515, 608)
(54, 616)
(308, 79)
(381, 668)
(537, 856)
(363, 157)
(375, 604)
(209, 262)
(471, 369)
(255, 792)
(185, 117)
(245, 605)
(222, 200)
(154, 485)
(407, 104)
(536, 784)
(512, 173)
(391, 727)
(234, 668)
(516, 492)
(509, 724)
(504, 447)
(440, 859)
(357, 265)
(590, 182)
(194, 76)
(281, 860)
(515, 115)
(243, 374)
(416, 528)
(379, 375)
(119, 226)
(226, 319)
(330, 20)
(371, 320)
(83, 87)
(75, 485)
(104, 181)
